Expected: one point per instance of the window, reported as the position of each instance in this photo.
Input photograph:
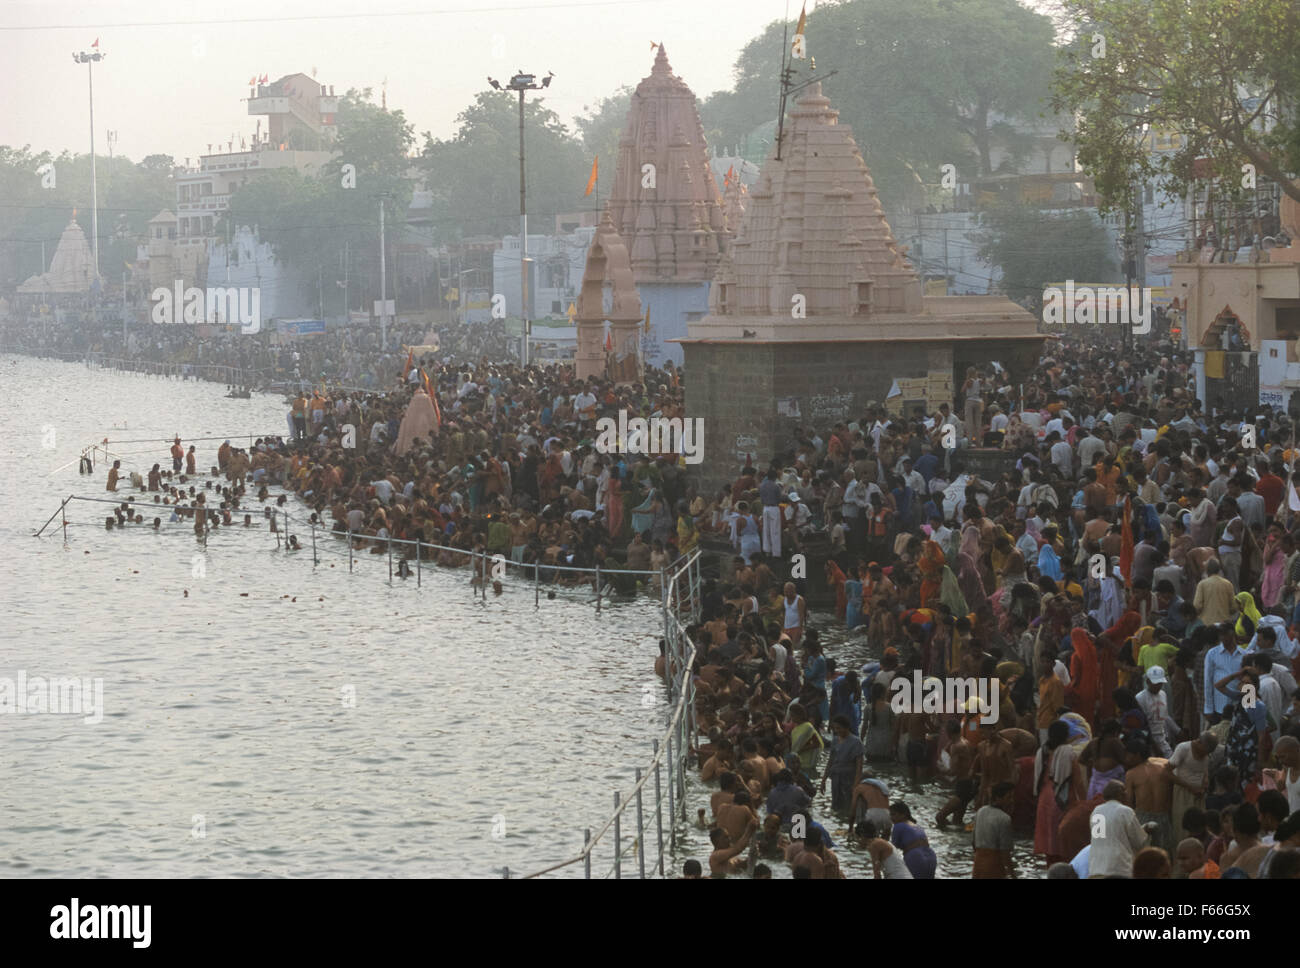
(864, 299)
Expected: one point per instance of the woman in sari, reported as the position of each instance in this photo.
(836, 579)
(688, 535)
(1108, 645)
(1248, 616)
(1084, 676)
(972, 586)
(909, 838)
(745, 536)
(614, 503)
(643, 515)
(1270, 586)
(1058, 782)
(930, 565)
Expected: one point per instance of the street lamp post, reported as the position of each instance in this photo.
(522, 82)
(89, 58)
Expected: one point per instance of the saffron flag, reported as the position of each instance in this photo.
(803, 19)
(252, 80)
(609, 341)
(263, 78)
(428, 388)
(798, 49)
(410, 362)
(1126, 542)
(591, 182)
(96, 43)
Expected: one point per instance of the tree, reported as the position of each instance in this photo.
(474, 176)
(601, 127)
(39, 203)
(1036, 247)
(1224, 74)
(312, 221)
(923, 83)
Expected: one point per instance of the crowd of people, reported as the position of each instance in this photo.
(1127, 585)
(1121, 567)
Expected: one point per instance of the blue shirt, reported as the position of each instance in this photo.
(1258, 712)
(786, 800)
(1218, 664)
(770, 493)
(926, 466)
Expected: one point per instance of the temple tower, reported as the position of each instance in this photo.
(666, 206)
(815, 311)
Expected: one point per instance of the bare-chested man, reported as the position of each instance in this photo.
(757, 763)
(961, 761)
(1149, 788)
(870, 802)
(724, 758)
(726, 857)
(734, 817)
(995, 762)
(817, 858)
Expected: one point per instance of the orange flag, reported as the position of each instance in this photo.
(1126, 542)
(410, 362)
(591, 182)
(428, 388)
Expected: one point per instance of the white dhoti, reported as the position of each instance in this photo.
(772, 530)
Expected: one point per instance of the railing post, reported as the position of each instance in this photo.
(349, 551)
(597, 588)
(618, 839)
(586, 857)
(390, 559)
(417, 562)
(672, 790)
(63, 509)
(640, 827)
(659, 808)
(505, 873)
(537, 586)
(314, 560)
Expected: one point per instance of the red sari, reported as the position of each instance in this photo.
(1084, 676)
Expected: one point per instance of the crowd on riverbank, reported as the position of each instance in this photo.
(1122, 600)
(1126, 590)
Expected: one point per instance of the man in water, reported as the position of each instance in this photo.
(1149, 787)
(993, 837)
(114, 473)
(961, 760)
(796, 613)
(995, 762)
(726, 858)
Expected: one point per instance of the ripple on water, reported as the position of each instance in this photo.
(457, 702)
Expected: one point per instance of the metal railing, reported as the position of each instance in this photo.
(671, 752)
(680, 598)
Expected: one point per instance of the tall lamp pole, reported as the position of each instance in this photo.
(89, 58)
(522, 82)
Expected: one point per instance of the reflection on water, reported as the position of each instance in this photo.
(280, 720)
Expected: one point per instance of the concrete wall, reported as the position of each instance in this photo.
(753, 396)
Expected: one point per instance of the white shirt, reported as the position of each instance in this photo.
(999, 422)
(1156, 707)
(383, 490)
(1116, 837)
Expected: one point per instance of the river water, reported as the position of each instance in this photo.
(283, 719)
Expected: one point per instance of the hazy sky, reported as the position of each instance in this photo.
(175, 73)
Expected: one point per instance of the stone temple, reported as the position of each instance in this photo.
(815, 311)
(666, 210)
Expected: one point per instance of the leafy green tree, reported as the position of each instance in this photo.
(1224, 74)
(1036, 247)
(923, 83)
(601, 128)
(38, 205)
(474, 175)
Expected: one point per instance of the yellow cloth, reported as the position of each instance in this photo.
(1214, 364)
